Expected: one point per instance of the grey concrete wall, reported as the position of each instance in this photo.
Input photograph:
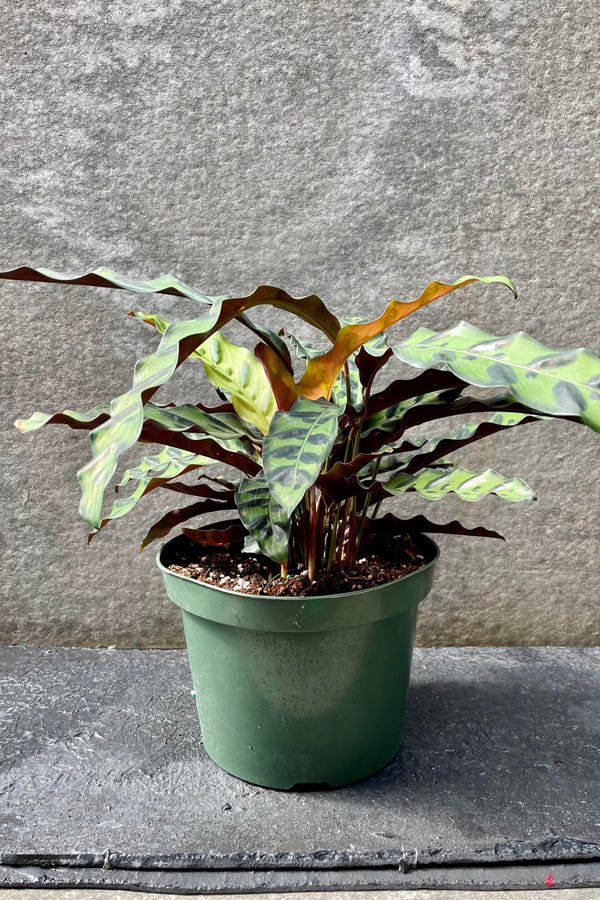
(355, 149)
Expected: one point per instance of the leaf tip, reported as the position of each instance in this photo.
(19, 425)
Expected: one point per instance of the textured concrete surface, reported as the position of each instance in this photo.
(104, 781)
(41, 894)
(357, 150)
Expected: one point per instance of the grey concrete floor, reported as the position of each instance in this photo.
(102, 762)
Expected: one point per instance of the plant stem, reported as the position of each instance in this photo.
(333, 532)
(348, 385)
(376, 510)
(312, 534)
(340, 557)
(366, 506)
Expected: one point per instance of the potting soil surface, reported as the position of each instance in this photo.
(102, 766)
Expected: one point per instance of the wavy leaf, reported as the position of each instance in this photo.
(152, 433)
(386, 409)
(415, 460)
(169, 460)
(180, 339)
(304, 349)
(391, 525)
(471, 486)
(124, 505)
(177, 516)
(547, 381)
(269, 337)
(165, 284)
(224, 427)
(223, 534)
(466, 434)
(236, 370)
(86, 420)
(298, 443)
(322, 371)
(311, 308)
(384, 458)
(124, 427)
(437, 408)
(267, 522)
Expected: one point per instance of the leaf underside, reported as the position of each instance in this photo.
(392, 525)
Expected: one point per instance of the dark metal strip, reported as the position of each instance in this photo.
(564, 875)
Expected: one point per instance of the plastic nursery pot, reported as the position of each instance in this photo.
(300, 690)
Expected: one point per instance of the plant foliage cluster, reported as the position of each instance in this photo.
(313, 458)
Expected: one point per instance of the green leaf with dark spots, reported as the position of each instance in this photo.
(87, 420)
(298, 443)
(124, 505)
(227, 428)
(547, 381)
(471, 486)
(267, 522)
(234, 369)
(170, 460)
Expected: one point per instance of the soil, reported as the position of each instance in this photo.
(249, 574)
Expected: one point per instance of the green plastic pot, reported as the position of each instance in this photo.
(300, 690)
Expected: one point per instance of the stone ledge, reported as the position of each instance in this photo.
(104, 782)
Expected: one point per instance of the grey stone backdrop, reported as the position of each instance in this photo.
(356, 149)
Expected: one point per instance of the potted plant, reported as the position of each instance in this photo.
(299, 645)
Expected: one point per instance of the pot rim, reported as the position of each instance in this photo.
(363, 592)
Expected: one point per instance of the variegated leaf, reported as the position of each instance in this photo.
(86, 420)
(433, 452)
(124, 505)
(321, 371)
(340, 395)
(235, 370)
(170, 460)
(547, 381)
(388, 460)
(467, 485)
(304, 349)
(164, 284)
(227, 428)
(124, 427)
(466, 434)
(297, 445)
(386, 408)
(267, 522)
